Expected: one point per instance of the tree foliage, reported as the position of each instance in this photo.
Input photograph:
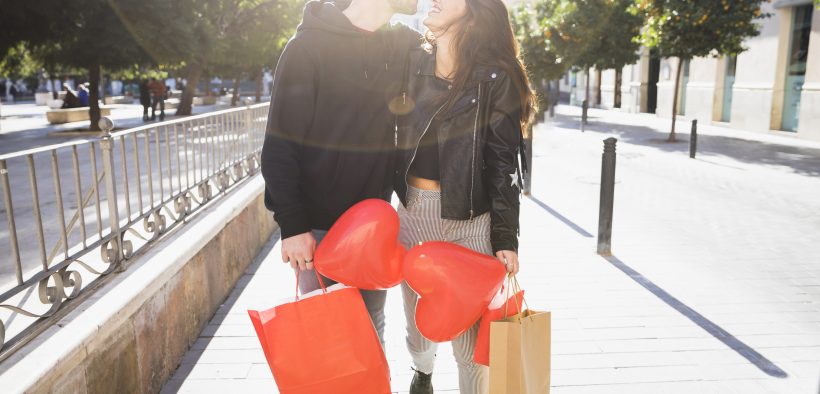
(694, 28)
(207, 35)
(83, 34)
(255, 39)
(596, 33)
(530, 23)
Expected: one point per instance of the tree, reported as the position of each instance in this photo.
(84, 34)
(201, 35)
(617, 46)
(254, 39)
(685, 29)
(530, 24)
(597, 33)
(179, 33)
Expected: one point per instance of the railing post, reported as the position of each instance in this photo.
(15, 247)
(113, 254)
(584, 109)
(249, 121)
(607, 198)
(693, 139)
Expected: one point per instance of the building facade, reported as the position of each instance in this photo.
(773, 86)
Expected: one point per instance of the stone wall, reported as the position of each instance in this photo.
(137, 349)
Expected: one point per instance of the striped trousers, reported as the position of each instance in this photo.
(421, 222)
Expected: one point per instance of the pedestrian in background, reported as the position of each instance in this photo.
(13, 93)
(145, 98)
(70, 100)
(157, 97)
(83, 95)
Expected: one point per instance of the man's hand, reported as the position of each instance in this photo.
(509, 259)
(298, 251)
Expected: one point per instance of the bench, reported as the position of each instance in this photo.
(68, 115)
(171, 103)
(119, 100)
(205, 100)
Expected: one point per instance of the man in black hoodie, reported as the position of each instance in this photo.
(330, 134)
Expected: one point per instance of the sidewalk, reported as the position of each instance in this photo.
(714, 286)
(24, 125)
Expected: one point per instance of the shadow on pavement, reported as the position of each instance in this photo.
(802, 160)
(760, 361)
(578, 229)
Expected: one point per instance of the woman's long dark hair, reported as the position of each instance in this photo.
(484, 36)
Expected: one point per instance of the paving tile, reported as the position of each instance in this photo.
(709, 232)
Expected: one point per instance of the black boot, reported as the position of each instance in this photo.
(422, 383)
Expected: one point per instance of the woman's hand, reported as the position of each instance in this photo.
(509, 259)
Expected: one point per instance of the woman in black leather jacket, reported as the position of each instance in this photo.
(457, 173)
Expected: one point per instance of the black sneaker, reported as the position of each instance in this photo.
(422, 383)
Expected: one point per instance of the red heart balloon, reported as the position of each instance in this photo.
(362, 248)
(454, 284)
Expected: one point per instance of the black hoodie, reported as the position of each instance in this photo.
(330, 135)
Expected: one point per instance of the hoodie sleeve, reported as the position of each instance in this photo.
(291, 114)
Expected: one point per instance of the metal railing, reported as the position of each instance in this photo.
(116, 194)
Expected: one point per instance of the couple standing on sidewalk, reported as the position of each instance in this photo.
(361, 110)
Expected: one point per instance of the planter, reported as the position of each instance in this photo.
(42, 98)
(205, 100)
(69, 115)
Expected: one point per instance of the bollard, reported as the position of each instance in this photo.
(584, 108)
(607, 198)
(693, 139)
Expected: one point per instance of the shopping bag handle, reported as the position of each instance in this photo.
(319, 277)
(512, 282)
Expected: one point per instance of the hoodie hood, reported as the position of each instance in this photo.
(328, 16)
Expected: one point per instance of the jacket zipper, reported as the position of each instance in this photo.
(475, 132)
(416, 150)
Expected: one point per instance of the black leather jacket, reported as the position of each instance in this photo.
(478, 143)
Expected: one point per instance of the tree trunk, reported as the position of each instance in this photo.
(259, 76)
(586, 96)
(102, 86)
(235, 96)
(557, 97)
(598, 87)
(675, 100)
(618, 81)
(94, 97)
(547, 101)
(186, 102)
(55, 94)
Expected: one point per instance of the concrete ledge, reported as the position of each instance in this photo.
(69, 115)
(205, 100)
(132, 333)
(118, 100)
(171, 103)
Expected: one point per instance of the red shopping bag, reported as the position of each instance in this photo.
(500, 308)
(324, 342)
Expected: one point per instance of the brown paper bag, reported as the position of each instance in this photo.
(520, 354)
